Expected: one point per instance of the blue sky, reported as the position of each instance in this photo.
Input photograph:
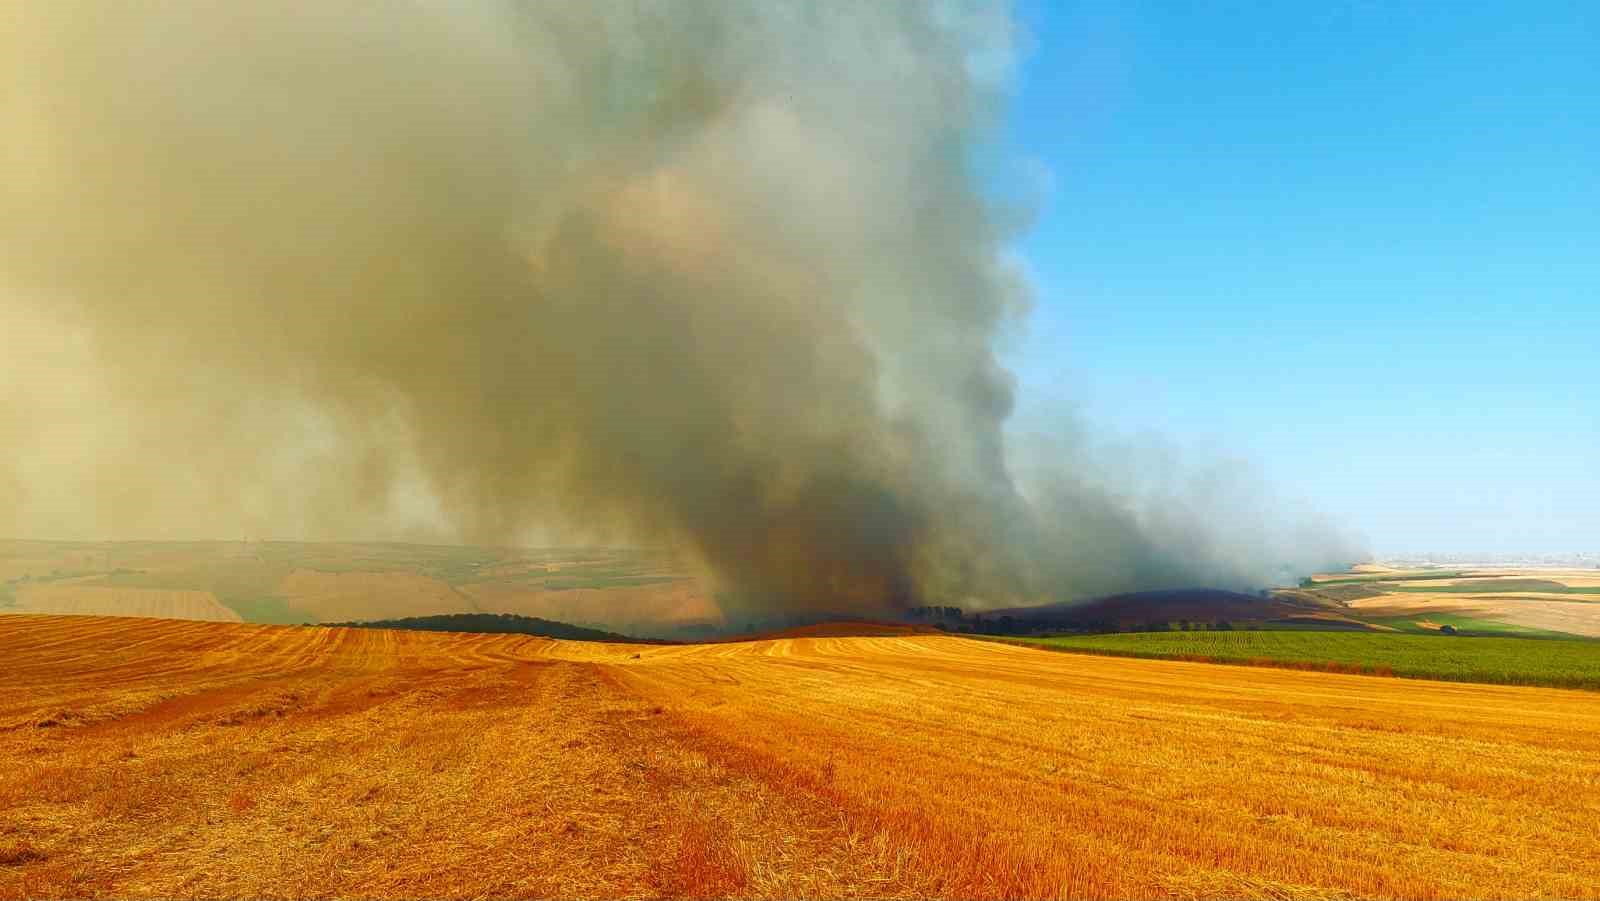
(1357, 246)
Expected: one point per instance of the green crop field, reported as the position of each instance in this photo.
(267, 609)
(1563, 663)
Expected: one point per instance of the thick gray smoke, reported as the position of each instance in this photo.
(716, 274)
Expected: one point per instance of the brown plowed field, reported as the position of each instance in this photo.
(180, 759)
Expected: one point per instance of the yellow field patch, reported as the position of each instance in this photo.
(1575, 578)
(74, 598)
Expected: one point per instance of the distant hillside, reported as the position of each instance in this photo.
(839, 628)
(1197, 605)
(494, 622)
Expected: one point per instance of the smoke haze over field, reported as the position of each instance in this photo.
(718, 275)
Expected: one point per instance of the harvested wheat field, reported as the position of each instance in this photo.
(75, 599)
(146, 758)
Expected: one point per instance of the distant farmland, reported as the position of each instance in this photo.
(75, 598)
(154, 758)
(638, 591)
(1566, 663)
(1527, 599)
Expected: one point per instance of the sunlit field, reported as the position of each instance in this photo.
(154, 758)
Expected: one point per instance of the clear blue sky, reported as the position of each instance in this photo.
(1353, 243)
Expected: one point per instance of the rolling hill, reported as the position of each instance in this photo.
(1159, 608)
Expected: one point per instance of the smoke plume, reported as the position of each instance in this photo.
(713, 274)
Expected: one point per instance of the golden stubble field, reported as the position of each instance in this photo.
(70, 598)
(153, 758)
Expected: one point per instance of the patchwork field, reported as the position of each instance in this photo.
(146, 758)
(1572, 617)
(1565, 601)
